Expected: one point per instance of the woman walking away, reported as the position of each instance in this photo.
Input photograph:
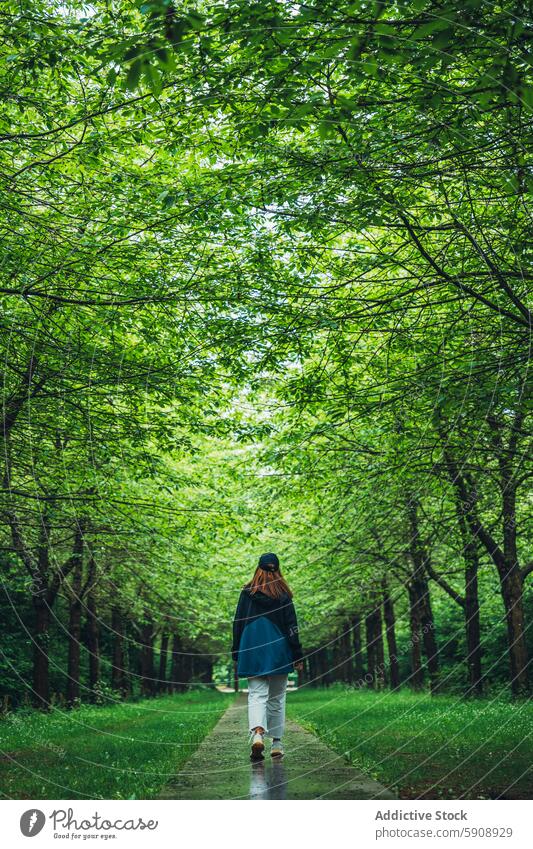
(266, 648)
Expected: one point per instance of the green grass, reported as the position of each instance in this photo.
(440, 747)
(123, 751)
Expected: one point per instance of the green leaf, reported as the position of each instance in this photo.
(354, 49)
(347, 103)
(370, 66)
(386, 29)
(134, 75)
(428, 29)
(153, 78)
(166, 58)
(195, 20)
(526, 96)
(326, 129)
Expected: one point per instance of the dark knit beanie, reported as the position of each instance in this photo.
(269, 563)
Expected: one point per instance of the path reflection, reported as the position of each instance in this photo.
(268, 780)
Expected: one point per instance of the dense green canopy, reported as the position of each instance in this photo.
(264, 282)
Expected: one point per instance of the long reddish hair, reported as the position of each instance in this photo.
(269, 583)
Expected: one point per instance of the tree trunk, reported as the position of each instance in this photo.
(471, 602)
(147, 658)
(93, 645)
(41, 681)
(380, 670)
(74, 635)
(374, 649)
(346, 649)
(505, 560)
(370, 651)
(390, 630)
(118, 666)
(472, 620)
(203, 669)
(93, 635)
(333, 661)
(177, 684)
(428, 635)
(424, 614)
(311, 667)
(323, 663)
(359, 670)
(187, 668)
(511, 585)
(420, 588)
(416, 679)
(163, 651)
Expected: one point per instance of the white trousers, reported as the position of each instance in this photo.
(266, 704)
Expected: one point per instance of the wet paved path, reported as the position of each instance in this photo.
(221, 768)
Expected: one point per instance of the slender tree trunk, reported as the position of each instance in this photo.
(93, 645)
(93, 631)
(332, 661)
(390, 630)
(347, 664)
(188, 669)
(472, 620)
(208, 673)
(370, 651)
(511, 578)
(338, 663)
(420, 588)
(163, 651)
(203, 669)
(324, 666)
(147, 657)
(41, 681)
(416, 679)
(177, 683)
(511, 585)
(118, 666)
(471, 602)
(374, 648)
(312, 667)
(317, 662)
(424, 615)
(380, 669)
(359, 670)
(505, 559)
(74, 635)
(44, 594)
(427, 623)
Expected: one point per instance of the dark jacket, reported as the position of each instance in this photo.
(265, 635)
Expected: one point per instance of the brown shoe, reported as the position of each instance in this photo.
(258, 747)
(277, 750)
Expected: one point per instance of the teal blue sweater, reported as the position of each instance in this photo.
(265, 635)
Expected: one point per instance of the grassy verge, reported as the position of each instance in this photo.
(425, 747)
(125, 751)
